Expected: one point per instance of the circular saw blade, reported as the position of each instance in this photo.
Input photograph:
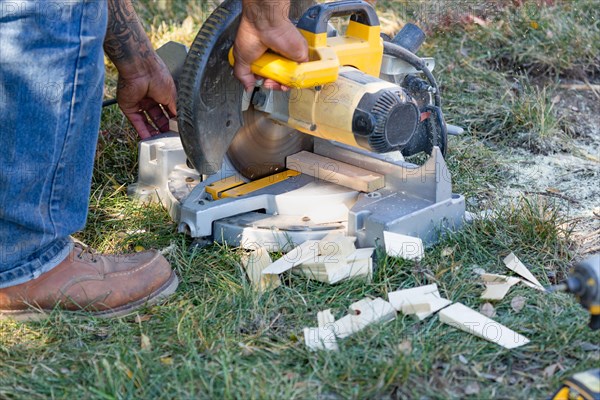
(261, 145)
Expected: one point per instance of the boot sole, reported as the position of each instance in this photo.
(166, 290)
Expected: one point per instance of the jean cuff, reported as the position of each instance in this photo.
(49, 258)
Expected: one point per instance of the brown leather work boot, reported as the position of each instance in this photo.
(104, 286)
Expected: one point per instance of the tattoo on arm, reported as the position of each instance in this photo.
(126, 41)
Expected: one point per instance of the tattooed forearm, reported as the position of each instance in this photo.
(126, 42)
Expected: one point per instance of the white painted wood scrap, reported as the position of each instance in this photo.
(398, 245)
(322, 269)
(514, 264)
(325, 318)
(333, 268)
(360, 254)
(419, 307)
(409, 301)
(497, 286)
(320, 339)
(362, 314)
(254, 263)
(323, 336)
(466, 319)
(305, 252)
(377, 310)
(319, 265)
(358, 264)
(335, 244)
(357, 306)
(361, 262)
(356, 270)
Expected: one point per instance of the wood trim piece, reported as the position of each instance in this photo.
(466, 319)
(332, 269)
(325, 318)
(298, 255)
(320, 339)
(398, 245)
(336, 244)
(497, 286)
(362, 314)
(254, 263)
(409, 300)
(514, 264)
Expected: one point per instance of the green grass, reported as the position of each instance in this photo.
(499, 79)
(217, 338)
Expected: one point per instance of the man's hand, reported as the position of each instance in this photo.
(265, 25)
(147, 97)
(146, 91)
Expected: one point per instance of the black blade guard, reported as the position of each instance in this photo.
(210, 98)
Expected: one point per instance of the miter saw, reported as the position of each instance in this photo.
(363, 99)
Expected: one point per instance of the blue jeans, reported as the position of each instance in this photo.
(51, 84)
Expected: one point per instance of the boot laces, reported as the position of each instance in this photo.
(86, 252)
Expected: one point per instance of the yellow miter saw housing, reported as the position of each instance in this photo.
(360, 102)
(338, 95)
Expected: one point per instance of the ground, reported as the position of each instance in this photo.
(523, 82)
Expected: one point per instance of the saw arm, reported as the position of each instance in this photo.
(367, 106)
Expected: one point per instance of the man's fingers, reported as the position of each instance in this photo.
(242, 70)
(141, 124)
(290, 43)
(245, 75)
(171, 109)
(252, 42)
(171, 106)
(271, 84)
(158, 117)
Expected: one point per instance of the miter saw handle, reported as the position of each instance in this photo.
(316, 18)
(361, 47)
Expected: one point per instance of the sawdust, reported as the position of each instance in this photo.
(571, 177)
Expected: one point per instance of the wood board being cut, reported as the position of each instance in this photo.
(335, 171)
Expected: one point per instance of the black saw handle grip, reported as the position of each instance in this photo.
(316, 18)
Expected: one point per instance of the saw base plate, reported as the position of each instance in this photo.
(417, 200)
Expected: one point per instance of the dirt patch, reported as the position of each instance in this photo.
(570, 178)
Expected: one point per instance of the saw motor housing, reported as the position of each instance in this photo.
(339, 94)
(358, 110)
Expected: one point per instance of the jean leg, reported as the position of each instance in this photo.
(51, 83)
